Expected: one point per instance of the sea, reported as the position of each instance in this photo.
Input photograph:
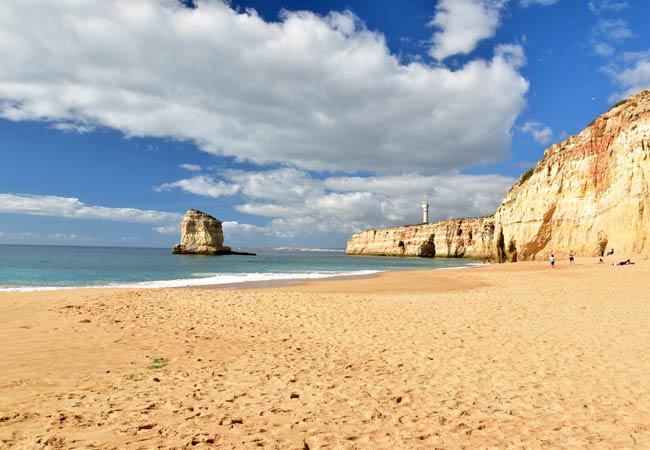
(41, 267)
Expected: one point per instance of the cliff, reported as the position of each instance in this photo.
(589, 192)
(201, 234)
(455, 238)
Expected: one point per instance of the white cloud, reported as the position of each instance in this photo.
(600, 6)
(543, 134)
(239, 232)
(295, 202)
(191, 167)
(317, 93)
(170, 229)
(527, 3)
(614, 30)
(75, 127)
(603, 49)
(462, 25)
(286, 185)
(634, 79)
(201, 185)
(631, 74)
(49, 205)
(512, 54)
(607, 33)
(450, 195)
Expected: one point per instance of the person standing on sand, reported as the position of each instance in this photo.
(552, 261)
(571, 259)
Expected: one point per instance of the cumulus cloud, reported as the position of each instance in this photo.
(296, 202)
(49, 205)
(462, 24)
(317, 93)
(201, 185)
(540, 132)
(286, 185)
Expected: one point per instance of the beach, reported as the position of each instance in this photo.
(503, 356)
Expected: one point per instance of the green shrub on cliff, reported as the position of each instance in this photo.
(526, 175)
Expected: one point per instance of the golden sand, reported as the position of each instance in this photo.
(506, 356)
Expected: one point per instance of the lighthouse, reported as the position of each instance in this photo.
(425, 209)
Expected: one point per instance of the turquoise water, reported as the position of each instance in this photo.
(38, 267)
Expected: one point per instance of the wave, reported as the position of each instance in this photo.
(215, 280)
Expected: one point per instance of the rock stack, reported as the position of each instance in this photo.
(201, 234)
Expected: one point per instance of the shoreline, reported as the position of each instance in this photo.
(288, 282)
(284, 279)
(228, 285)
(510, 355)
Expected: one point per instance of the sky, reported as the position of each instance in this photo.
(296, 123)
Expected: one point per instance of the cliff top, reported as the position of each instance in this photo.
(622, 113)
(194, 214)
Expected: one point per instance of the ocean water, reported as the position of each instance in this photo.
(26, 267)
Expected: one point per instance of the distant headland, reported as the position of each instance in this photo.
(202, 234)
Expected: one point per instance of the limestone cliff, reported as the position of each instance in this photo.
(455, 238)
(590, 191)
(201, 234)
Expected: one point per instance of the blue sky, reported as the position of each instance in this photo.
(295, 123)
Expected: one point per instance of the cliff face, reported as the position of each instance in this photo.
(200, 234)
(455, 238)
(591, 190)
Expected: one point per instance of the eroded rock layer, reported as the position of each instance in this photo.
(200, 234)
(590, 191)
(455, 238)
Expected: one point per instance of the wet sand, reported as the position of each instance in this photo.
(505, 356)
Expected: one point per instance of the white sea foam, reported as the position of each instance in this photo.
(37, 288)
(215, 279)
(245, 278)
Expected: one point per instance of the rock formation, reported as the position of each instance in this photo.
(591, 190)
(455, 238)
(588, 192)
(201, 234)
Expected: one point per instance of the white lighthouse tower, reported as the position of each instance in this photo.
(425, 209)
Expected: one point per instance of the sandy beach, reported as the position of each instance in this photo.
(505, 356)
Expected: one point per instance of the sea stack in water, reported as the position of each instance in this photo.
(201, 234)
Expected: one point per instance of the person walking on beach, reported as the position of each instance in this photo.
(571, 258)
(552, 261)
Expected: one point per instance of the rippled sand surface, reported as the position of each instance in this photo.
(506, 356)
